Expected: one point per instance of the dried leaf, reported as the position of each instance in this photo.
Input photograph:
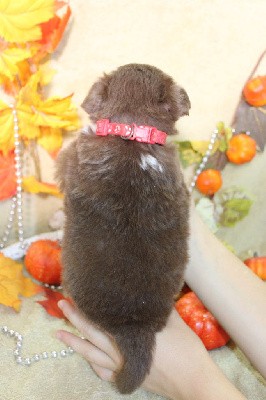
(19, 20)
(217, 161)
(35, 113)
(13, 86)
(9, 59)
(253, 120)
(52, 30)
(7, 129)
(51, 139)
(50, 304)
(231, 206)
(201, 146)
(31, 185)
(13, 283)
(187, 154)
(7, 176)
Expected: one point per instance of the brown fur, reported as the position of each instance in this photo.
(126, 230)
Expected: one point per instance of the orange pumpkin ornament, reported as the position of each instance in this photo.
(255, 91)
(257, 265)
(209, 181)
(201, 321)
(241, 149)
(43, 261)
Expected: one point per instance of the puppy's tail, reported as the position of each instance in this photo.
(136, 346)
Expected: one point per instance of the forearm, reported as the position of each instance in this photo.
(229, 290)
(183, 369)
(211, 384)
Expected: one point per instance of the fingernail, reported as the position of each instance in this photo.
(61, 304)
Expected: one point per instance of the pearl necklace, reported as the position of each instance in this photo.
(17, 208)
(36, 357)
(204, 160)
(16, 205)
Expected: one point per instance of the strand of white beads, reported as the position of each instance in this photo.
(16, 205)
(18, 338)
(204, 160)
(206, 157)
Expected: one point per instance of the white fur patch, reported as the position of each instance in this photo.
(148, 161)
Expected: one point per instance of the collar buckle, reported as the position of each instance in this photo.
(130, 132)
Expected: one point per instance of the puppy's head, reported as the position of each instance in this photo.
(136, 93)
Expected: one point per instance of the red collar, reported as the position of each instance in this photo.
(142, 133)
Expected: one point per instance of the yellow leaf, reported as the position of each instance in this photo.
(51, 140)
(31, 185)
(53, 112)
(19, 20)
(13, 283)
(46, 74)
(7, 131)
(35, 115)
(9, 59)
(202, 146)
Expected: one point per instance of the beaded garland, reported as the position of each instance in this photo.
(17, 208)
(16, 205)
(18, 338)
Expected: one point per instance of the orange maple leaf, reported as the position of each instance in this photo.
(52, 31)
(13, 283)
(50, 304)
(7, 176)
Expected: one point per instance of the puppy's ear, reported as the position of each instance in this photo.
(176, 101)
(97, 96)
(183, 102)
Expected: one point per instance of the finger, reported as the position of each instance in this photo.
(97, 337)
(90, 352)
(104, 373)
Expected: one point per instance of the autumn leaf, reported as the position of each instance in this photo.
(34, 113)
(31, 185)
(217, 161)
(7, 176)
(218, 158)
(9, 58)
(188, 156)
(232, 205)
(52, 30)
(201, 146)
(51, 139)
(253, 120)
(50, 304)
(13, 86)
(13, 283)
(53, 112)
(7, 129)
(19, 20)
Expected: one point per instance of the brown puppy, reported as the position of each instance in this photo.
(126, 205)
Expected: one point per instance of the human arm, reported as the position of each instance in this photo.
(181, 370)
(233, 293)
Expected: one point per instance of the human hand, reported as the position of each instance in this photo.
(178, 355)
